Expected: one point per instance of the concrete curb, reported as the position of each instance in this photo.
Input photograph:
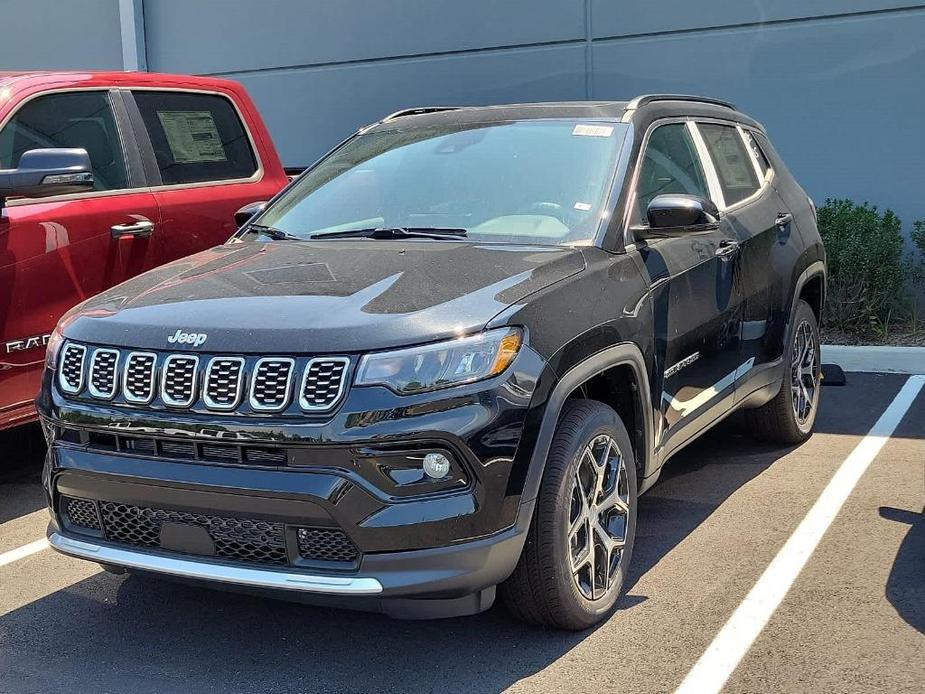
(876, 359)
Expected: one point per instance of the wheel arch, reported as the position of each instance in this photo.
(621, 361)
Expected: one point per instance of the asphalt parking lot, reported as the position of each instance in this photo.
(853, 620)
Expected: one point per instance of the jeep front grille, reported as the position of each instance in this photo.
(323, 383)
(103, 383)
(224, 378)
(219, 383)
(71, 374)
(178, 384)
(139, 378)
(326, 544)
(272, 384)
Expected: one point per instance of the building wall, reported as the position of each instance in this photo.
(60, 35)
(838, 83)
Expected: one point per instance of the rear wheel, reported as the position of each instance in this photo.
(581, 538)
(790, 416)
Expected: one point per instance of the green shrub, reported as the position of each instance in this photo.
(867, 270)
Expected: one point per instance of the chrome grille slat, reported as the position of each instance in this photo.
(178, 380)
(323, 383)
(103, 380)
(224, 383)
(71, 372)
(271, 384)
(139, 377)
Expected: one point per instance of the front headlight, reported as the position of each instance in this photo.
(443, 364)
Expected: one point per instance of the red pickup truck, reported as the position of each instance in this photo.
(106, 175)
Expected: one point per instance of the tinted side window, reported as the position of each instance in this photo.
(730, 158)
(78, 119)
(196, 137)
(670, 165)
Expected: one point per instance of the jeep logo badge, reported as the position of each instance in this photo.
(182, 338)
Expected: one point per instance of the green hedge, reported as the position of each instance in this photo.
(869, 275)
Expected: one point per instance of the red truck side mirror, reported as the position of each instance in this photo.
(44, 172)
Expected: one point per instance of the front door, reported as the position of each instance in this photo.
(56, 252)
(695, 296)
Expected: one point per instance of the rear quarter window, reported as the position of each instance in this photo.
(196, 137)
(731, 160)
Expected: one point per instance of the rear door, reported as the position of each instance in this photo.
(697, 307)
(755, 214)
(202, 163)
(57, 251)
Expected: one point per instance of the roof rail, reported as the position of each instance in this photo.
(417, 111)
(645, 99)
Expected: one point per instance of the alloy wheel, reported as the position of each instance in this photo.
(804, 372)
(598, 518)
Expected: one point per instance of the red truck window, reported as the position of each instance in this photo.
(196, 137)
(75, 119)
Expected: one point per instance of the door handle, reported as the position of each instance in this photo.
(726, 249)
(783, 219)
(134, 230)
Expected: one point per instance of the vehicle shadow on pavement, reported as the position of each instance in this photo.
(905, 587)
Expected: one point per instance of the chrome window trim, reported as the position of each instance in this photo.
(93, 390)
(706, 162)
(62, 384)
(125, 392)
(308, 407)
(263, 408)
(209, 402)
(170, 402)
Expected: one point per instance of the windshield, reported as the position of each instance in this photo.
(537, 182)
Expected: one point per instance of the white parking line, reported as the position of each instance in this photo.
(23, 552)
(718, 662)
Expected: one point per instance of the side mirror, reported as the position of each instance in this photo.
(678, 211)
(44, 172)
(246, 213)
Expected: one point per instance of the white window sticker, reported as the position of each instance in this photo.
(593, 130)
(583, 206)
(192, 136)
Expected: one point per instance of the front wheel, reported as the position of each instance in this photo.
(790, 416)
(574, 562)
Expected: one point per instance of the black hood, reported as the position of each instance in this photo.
(323, 296)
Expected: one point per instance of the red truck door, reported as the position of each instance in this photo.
(57, 251)
(203, 164)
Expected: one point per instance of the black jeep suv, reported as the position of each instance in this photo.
(444, 360)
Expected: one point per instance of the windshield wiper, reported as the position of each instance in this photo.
(272, 232)
(395, 233)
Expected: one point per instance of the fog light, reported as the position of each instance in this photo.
(436, 465)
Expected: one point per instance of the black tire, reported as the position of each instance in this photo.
(777, 420)
(544, 589)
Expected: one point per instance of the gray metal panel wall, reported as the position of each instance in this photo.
(56, 35)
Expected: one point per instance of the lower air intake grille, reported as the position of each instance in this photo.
(81, 512)
(326, 544)
(322, 383)
(241, 539)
